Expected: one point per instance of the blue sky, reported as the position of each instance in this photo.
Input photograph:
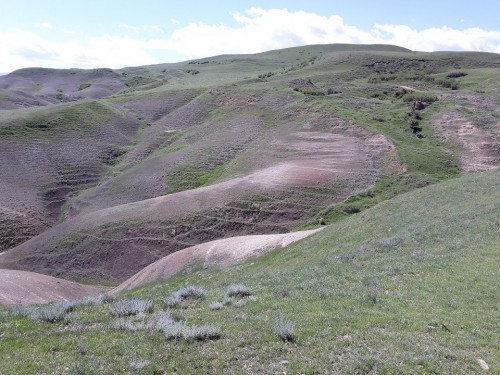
(91, 33)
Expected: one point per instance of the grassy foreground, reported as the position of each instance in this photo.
(409, 286)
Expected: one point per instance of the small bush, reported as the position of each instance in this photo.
(127, 307)
(49, 313)
(77, 326)
(21, 311)
(202, 333)
(239, 303)
(138, 365)
(456, 74)
(122, 324)
(160, 321)
(285, 329)
(216, 305)
(87, 301)
(175, 330)
(186, 292)
(237, 290)
(448, 83)
(82, 368)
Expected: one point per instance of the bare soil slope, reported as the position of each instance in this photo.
(474, 125)
(25, 288)
(214, 254)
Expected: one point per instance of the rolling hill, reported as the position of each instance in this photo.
(408, 286)
(106, 171)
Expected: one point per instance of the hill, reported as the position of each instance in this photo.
(408, 286)
(106, 171)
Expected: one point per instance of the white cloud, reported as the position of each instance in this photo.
(260, 30)
(256, 30)
(157, 29)
(24, 49)
(174, 21)
(45, 25)
(128, 27)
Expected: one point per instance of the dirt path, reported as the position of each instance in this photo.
(214, 254)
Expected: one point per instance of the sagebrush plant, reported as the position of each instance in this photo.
(20, 310)
(82, 368)
(217, 305)
(159, 321)
(285, 329)
(175, 330)
(237, 290)
(179, 330)
(127, 307)
(186, 292)
(239, 303)
(49, 313)
(202, 333)
(138, 364)
(122, 324)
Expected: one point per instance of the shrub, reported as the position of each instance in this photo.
(175, 330)
(237, 290)
(216, 305)
(138, 365)
(49, 313)
(122, 324)
(77, 326)
(127, 307)
(456, 74)
(285, 329)
(21, 311)
(159, 321)
(448, 83)
(72, 304)
(82, 368)
(239, 303)
(186, 292)
(227, 300)
(202, 333)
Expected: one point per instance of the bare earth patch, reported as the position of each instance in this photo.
(25, 288)
(214, 254)
(481, 147)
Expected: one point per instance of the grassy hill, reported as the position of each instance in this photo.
(280, 140)
(408, 286)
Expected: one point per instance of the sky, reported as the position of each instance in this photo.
(115, 34)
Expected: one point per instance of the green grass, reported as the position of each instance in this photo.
(39, 122)
(407, 287)
(186, 176)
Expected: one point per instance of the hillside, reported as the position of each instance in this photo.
(106, 171)
(408, 286)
